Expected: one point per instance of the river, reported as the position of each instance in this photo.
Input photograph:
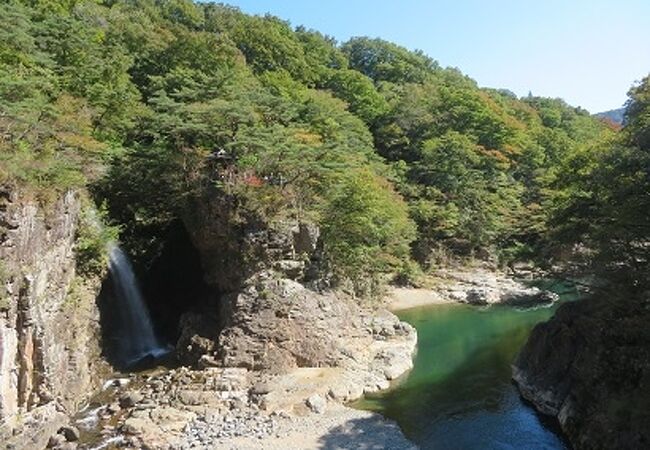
(459, 394)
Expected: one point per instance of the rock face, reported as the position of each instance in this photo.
(49, 347)
(267, 318)
(284, 362)
(233, 248)
(589, 366)
(275, 324)
(304, 349)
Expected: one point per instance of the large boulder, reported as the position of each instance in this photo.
(589, 366)
(197, 337)
(277, 324)
(529, 297)
(481, 296)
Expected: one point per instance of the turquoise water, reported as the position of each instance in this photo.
(460, 394)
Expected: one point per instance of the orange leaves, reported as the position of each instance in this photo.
(253, 180)
(495, 156)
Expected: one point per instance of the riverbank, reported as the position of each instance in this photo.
(340, 427)
(478, 286)
(589, 367)
(459, 394)
(300, 407)
(238, 408)
(227, 413)
(401, 298)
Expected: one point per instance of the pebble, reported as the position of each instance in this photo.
(56, 441)
(70, 433)
(211, 407)
(317, 404)
(130, 399)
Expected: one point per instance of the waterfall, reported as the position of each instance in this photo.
(137, 339)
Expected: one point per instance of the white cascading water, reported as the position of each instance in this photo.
(137, 338)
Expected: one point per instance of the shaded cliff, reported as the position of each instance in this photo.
(49, 324)
(234, 243)
(589, 366)
(270, 308)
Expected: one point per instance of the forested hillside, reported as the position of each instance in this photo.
(616, 116)
(152, 103)
(604, 201)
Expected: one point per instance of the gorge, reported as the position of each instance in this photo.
(207, 219)
(460, 394)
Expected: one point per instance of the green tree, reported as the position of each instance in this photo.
(602, 202)
(359, 92)
(637, 115)
(366, 227)
(384, 61)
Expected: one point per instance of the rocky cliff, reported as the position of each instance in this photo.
(589, 366)
(234, 244)
(267, 355)
(269, 314)
(49, 349)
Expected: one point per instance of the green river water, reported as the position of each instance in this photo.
(459, 394)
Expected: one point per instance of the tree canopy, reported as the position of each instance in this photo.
(602, 200)
(151, 102)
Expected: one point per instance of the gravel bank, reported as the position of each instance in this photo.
(339, 427)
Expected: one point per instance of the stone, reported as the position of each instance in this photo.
(290, 268)
(67, 446)
(340, 392)
(206, 361)
(232, 251)
(316, 404)
(305, 238)
(70, 433)
(480, 286)
(377, 385)
(481, 296)
(56, 440)
(261, 388)
(355, 392)
(172, 419)
(393, 372)
(190, 398)
(49, 345)
(198, 334)
(112, 408)
(135, 426)
(459, 296)
(130, 399)
(278, 324)
(527, 298)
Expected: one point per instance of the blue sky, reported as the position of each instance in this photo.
(588, 52)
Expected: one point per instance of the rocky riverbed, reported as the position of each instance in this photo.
(473, 285)
(279, 375)
(218, 408)
(238, 407)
